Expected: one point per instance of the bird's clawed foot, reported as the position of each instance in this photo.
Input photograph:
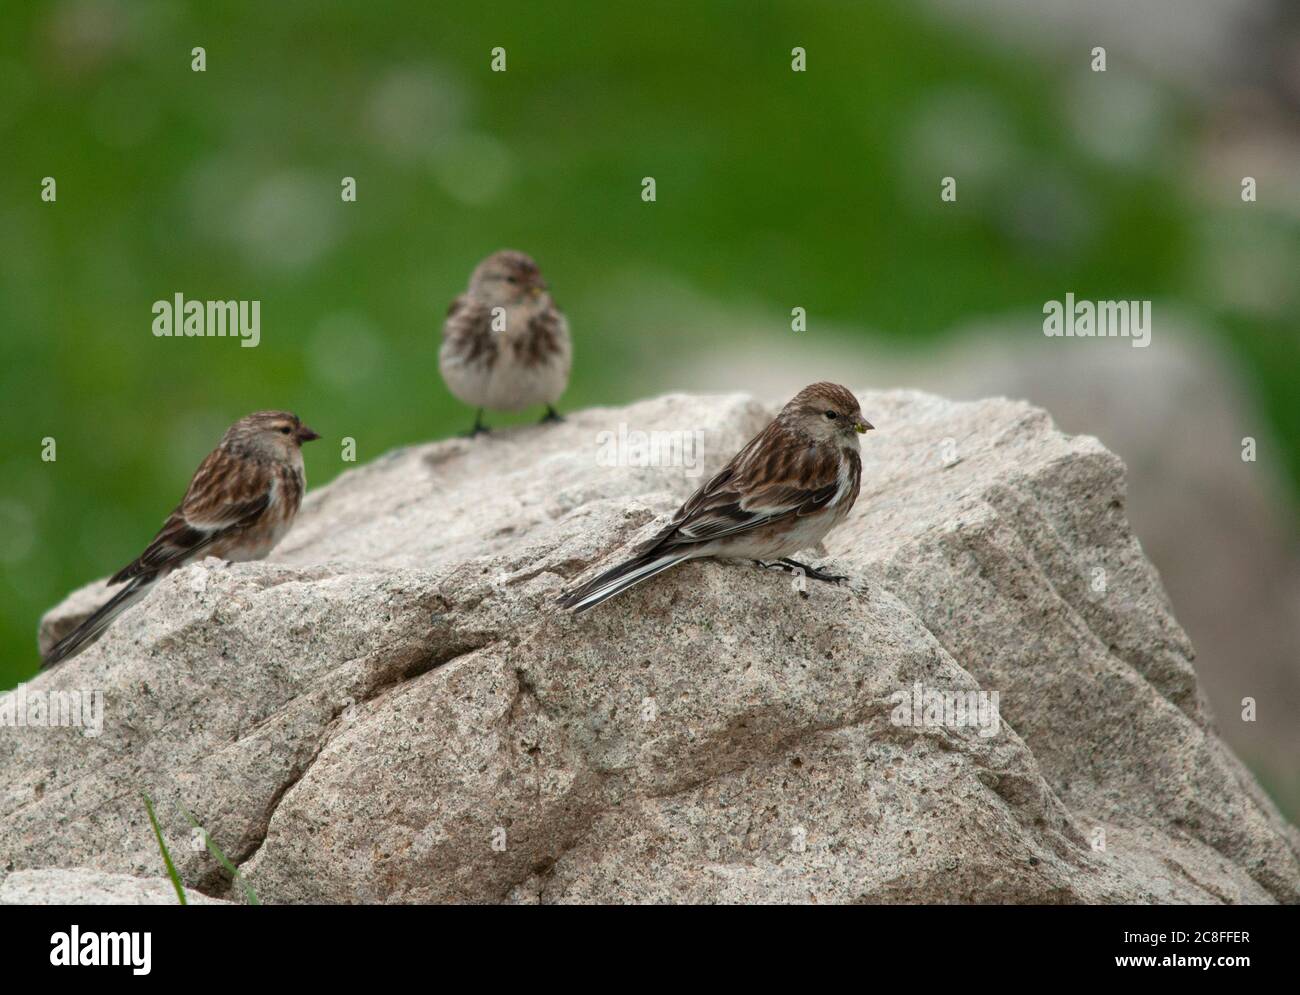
(551, 416)
(795, 567)
(812, 573)
(479, 428)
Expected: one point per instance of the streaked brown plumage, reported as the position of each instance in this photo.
(239, 504)
(514, 359)
(790, 485)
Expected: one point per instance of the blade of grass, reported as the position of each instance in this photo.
(215, 850)
(167, 857)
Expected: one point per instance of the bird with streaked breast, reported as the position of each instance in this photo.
(241, 501)
(505, 345)
(783, 492)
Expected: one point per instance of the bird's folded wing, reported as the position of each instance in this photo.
(728, 514)
(226, 494)
(466, 318)
(775, 477)
(547, 332)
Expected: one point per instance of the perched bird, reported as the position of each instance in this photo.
(791, 484)
(240, 503)
(505, 345)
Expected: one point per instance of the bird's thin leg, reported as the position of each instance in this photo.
(478, 425)
(784, 568)
(812, 573)
(551, 415)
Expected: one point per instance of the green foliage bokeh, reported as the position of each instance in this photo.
(773, 187)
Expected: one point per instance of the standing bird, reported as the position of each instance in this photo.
(791, 484)
(240, 503)
(505, 345)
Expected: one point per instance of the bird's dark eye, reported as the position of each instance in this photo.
(511, 279)
(285, 430)
(831, 414)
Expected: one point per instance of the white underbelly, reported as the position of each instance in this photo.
(256, 547)
(514, 386)
(508, 385)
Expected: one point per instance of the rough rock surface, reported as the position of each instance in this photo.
(1221, 531)
(392, 710)
(81, 886)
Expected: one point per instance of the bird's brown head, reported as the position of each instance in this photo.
(507, 279)
(828, 413)
(268, 433)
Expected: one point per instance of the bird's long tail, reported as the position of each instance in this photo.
(620, 578)
(93, 627)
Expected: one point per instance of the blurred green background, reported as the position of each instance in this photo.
(775, 188)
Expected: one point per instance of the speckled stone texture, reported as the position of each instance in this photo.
(81, 886)
(391, 709)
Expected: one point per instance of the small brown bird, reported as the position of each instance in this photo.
(505, 345)
(791, 484)
(240, 503)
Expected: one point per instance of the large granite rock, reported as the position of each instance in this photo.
(391, 709)
(1220, 531)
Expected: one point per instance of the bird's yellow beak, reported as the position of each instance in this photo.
(862, 426)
